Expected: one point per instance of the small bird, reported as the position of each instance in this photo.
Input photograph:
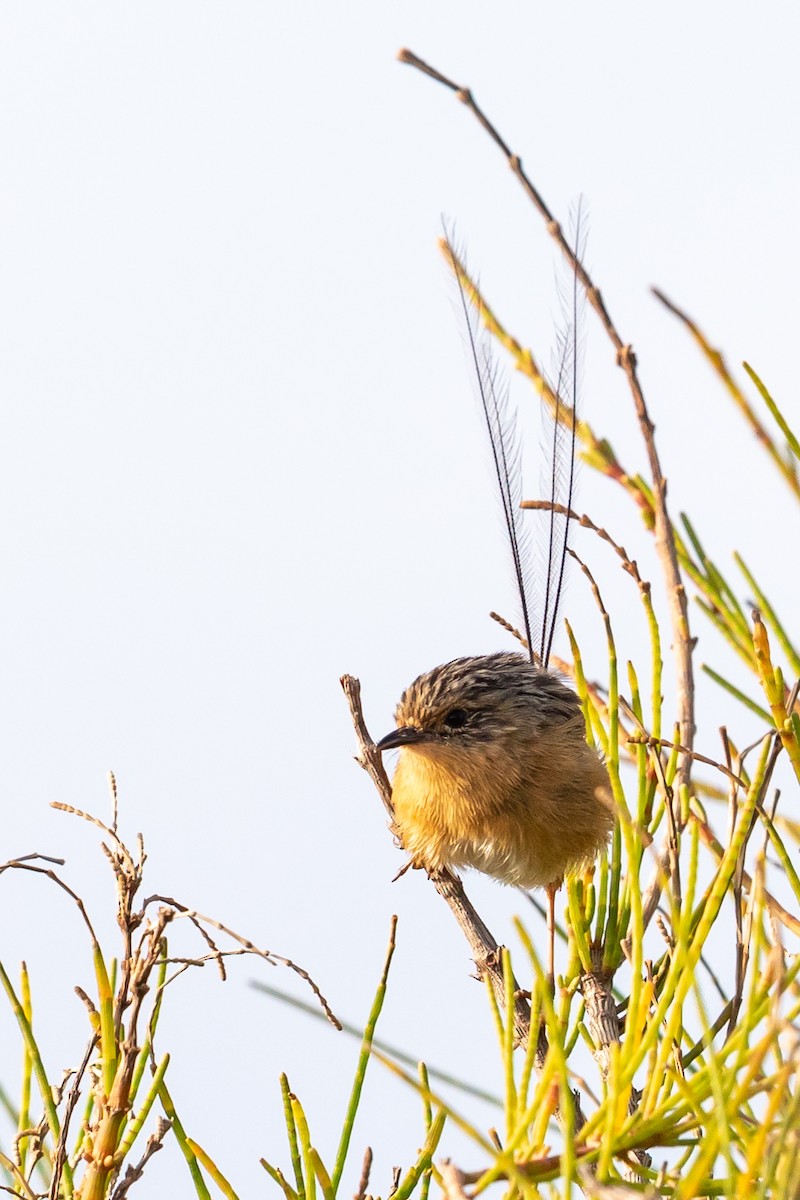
(495, 773)
(494, 770)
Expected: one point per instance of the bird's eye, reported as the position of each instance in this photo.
(456, 718)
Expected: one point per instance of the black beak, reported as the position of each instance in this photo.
(405, 736)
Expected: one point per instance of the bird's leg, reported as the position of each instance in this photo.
(551, 889)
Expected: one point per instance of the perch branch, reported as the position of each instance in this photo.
(484, 947)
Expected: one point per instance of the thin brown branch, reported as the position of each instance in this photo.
(628, 564)
(626, 359)
(25, 864)
(369, 757)
(486, 951)
(603, 1024)
(108, 830)
(249, 947)
(60, 1156)
(645, 739)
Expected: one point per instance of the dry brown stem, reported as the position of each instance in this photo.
(586, 522)
(626, 359)
(486, 951)
(363, 1183)
(134, 1173)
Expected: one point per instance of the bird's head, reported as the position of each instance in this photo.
(470, 702)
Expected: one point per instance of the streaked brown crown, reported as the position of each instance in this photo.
(485, 697)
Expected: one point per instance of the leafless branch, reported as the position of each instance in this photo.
(626, 359)
(60, 1155)
(248, 946)
(486, 951)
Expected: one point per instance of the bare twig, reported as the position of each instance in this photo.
(453, 1180)
(626, 359)
(628, 564)
(369, 757)
(134, 1173)
(645, 739)
(603, 1024)
(486, 951)
(60, 1155)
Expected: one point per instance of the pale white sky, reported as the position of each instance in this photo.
(239, 457)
